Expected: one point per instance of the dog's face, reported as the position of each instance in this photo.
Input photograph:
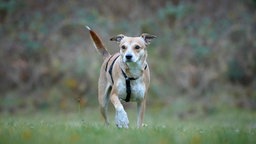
(132, 49)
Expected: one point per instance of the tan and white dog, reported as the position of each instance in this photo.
(124, 76)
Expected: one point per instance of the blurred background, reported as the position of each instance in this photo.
(203, 61)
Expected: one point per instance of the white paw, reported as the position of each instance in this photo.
(121, 119)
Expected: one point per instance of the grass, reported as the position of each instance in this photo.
(163, 127)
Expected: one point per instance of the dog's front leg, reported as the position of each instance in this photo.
(141, 105)
(121, 118)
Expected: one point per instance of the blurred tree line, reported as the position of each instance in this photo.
(205, 51)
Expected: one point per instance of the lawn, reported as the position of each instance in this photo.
(163, 126)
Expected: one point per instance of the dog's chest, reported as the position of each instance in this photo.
(137, 89)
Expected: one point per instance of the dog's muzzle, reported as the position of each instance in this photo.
(128, 57)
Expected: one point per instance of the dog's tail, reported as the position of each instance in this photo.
(98, 44)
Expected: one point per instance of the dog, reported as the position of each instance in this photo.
(124, 76)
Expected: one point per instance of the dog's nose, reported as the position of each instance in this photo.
(128, 57)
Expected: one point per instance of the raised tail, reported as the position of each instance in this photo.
(98, 44)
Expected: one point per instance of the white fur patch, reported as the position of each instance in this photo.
(138, 89)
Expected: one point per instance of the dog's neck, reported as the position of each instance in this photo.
(133, 69)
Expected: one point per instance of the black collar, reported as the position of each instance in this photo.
(131, 78)
(128, 78)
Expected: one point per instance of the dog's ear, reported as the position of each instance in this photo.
(117, 38)
(147, 37)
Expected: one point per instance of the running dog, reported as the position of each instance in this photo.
(124, 76)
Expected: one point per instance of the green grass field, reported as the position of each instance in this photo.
(163, 126)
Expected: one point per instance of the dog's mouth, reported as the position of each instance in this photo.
(128, 61)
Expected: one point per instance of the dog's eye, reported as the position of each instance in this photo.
(137, 47)
(123, 47)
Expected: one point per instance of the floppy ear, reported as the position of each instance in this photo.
(117, 38)
(147, 37)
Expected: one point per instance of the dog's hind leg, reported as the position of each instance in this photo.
(103, 102)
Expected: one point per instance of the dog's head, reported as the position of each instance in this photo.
(133, 49)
